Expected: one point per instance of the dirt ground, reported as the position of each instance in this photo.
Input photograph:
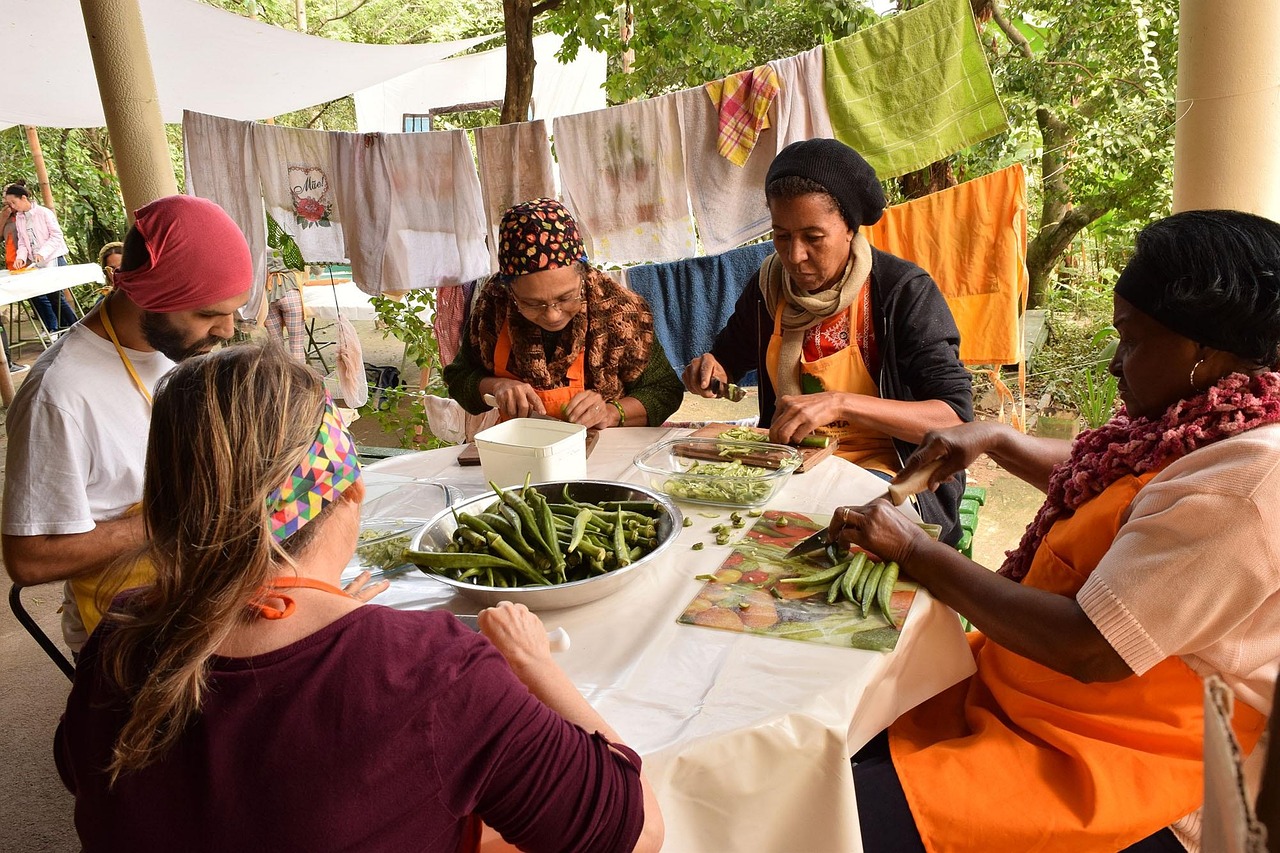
(36, 811)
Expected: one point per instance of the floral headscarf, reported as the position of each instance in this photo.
(538, 235)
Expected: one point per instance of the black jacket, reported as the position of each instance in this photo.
(919, 350)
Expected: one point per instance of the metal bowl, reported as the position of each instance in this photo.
(435, 536)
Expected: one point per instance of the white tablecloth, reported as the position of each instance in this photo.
(746, 739)
(324, 301)
(20, 286)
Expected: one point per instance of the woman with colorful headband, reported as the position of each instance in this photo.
(551, 334)
(245, 701)
(1153, 564)
(847, 340)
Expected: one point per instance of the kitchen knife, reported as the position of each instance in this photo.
(559, 638)
(896, 493)
(726, 390)
(492, 402)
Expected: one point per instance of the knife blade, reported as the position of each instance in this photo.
(726, 390)
(896, 493)
(492, 402)
(559, 638)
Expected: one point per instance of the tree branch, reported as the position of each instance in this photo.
(1016, 38)
(546, 6)
(328, 21)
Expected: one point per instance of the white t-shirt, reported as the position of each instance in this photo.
(77, 441)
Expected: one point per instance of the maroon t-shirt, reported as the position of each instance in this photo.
(381, 732)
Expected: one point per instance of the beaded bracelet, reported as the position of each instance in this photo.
(622, 414)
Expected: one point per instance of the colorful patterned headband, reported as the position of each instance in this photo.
(328, 470)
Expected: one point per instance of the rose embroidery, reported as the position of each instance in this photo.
(309, 187)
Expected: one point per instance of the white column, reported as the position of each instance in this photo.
(1227, 143)
(127, 86)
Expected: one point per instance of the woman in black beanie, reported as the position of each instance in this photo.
(848, 340)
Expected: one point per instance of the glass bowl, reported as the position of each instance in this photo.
(717, 471)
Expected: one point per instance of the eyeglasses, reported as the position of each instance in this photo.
(563, 305)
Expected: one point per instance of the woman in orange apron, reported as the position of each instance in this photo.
(552, 335)
(1150, 566)
(848, 340)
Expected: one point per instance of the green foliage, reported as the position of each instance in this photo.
(684, 43)
(86, 192)
(1094, 395)
(1107, 70)
(403, 412)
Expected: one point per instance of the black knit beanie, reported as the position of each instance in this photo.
(838, 168)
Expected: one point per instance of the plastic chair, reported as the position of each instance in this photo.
(50, 647)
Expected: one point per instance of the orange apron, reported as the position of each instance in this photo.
(842, 371)
(92, 601)
(554, 399)
(1022, 758)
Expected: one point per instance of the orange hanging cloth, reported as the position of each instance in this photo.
(972, 238)
(1020, 757)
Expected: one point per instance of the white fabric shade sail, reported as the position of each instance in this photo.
(205, 59)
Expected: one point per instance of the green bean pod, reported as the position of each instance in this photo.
(885, 594)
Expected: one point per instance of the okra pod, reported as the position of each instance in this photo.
(885, 594)
(869, 591)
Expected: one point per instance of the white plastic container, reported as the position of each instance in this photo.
(540, 449)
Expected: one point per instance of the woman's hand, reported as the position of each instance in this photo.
(19, 263)
(515, 399)
(879, 528)
(798, 415)
(956, 448)
(518, 634)
(699, 373)
(358, 590)
(591, 410)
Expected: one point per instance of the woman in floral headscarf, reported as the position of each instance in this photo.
(551, 334)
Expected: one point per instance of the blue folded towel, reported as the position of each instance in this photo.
(693, 299)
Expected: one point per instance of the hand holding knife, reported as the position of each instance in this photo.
(726, 390)
(897, 493)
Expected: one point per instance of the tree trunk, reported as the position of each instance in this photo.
(518, 23)
(1060, 221)
(932, 178)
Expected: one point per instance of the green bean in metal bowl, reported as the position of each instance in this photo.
(547, 545)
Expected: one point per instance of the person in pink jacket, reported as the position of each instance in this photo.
(39, 244)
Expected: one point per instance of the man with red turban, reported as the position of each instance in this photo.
(78, 426)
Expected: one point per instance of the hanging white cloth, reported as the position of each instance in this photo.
(622, 175)
(220, 166)
(436, 224)
(414, 217)
(296, 170)
(728, 201)
(515, 165)
(800, 108)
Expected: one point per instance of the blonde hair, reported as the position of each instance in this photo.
(226, 429)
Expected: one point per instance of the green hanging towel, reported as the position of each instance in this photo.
(912, 89)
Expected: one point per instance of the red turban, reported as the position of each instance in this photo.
(199, 257)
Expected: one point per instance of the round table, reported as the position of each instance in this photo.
(746, 739)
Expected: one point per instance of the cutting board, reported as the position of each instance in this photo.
(744, 593)
(470, 454)
(809, 456)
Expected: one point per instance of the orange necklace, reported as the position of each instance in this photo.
(274, 589)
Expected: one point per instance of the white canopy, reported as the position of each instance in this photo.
(558, 89)
(205, 59)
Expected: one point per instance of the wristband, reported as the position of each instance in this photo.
(622, 414)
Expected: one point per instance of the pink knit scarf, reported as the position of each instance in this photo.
(1123, 446)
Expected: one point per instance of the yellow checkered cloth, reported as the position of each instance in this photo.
(743, 101)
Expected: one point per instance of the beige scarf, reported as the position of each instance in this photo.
(801, 310)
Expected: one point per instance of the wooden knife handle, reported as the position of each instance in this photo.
(914, 484)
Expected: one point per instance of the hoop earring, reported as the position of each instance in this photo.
(1194, 368)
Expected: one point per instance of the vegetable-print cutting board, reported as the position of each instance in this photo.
(809, 456)
(745, 595)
